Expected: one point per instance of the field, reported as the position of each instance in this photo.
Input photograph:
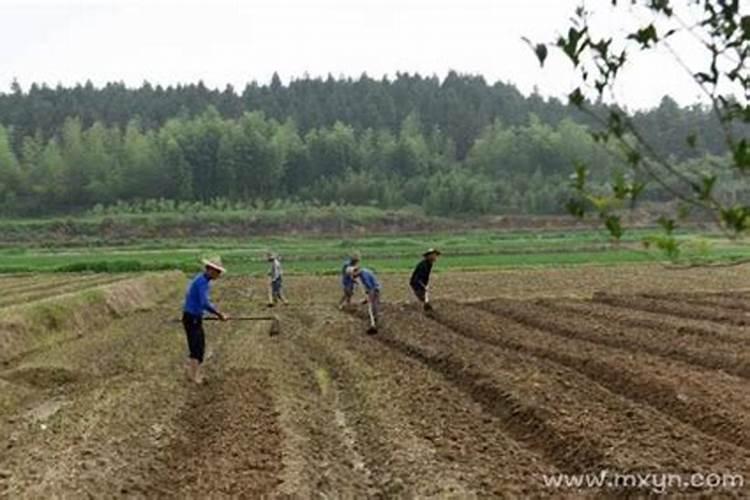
(306, 254)
(519, 375)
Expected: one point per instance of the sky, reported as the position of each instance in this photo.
(234, 42)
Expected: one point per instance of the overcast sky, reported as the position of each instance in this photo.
(222, 41)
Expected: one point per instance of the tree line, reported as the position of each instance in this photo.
(454, 146)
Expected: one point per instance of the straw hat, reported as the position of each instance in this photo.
(432, 251)
(214, 263)
(352, 270)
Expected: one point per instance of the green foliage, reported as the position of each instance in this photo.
(323, 255)
(457, 193)
(722, 29)
(120, 266)
(390, 143)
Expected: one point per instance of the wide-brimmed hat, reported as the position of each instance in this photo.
(214, 263)
(356, 256)
(432, 251)
(352, 270)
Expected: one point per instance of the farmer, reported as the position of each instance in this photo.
(420, 278)
(197, 302)
(372, 289)
(348, 283)
(275, 292)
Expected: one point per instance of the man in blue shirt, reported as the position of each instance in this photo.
(372, 288)
(347, 281)
(197, 302)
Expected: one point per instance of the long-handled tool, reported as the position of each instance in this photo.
(373, 324)
(275, 323)
(427, 305)
(271, 298)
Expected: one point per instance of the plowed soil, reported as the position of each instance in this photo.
(516, 376)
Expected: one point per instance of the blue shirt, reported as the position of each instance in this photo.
(346, 280)
(369, 281)
(197, 297)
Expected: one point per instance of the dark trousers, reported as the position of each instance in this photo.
(276, 289)
(196, 337)
(420, 292)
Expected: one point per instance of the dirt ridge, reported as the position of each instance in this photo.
(618, 379)
(526, 314)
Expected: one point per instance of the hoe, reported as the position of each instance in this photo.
(275, 323)
(373, 330)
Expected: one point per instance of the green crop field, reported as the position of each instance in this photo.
(323, 255)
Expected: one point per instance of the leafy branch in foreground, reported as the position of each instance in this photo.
(722, 31)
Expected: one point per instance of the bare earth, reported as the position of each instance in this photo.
(517, 374)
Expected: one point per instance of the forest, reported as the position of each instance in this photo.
(454, 146)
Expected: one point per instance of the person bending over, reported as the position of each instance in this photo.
(420, 278)
(348, 283)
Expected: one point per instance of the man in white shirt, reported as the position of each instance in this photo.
(275, 290)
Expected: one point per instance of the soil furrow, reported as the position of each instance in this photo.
(709, 332)
(64, 288)
(645, 380)
(687, 348)
(444, 441)
(553, 409)
(479, 400)
(228, 441)
(320, 455)
(737, 300)
(672, 308)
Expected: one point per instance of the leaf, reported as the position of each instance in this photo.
(574, 44)
(692, 140)
(661, 6)
(647, 36)
(540, 49)
(576, 98)
(705, 78)
(541, 53)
